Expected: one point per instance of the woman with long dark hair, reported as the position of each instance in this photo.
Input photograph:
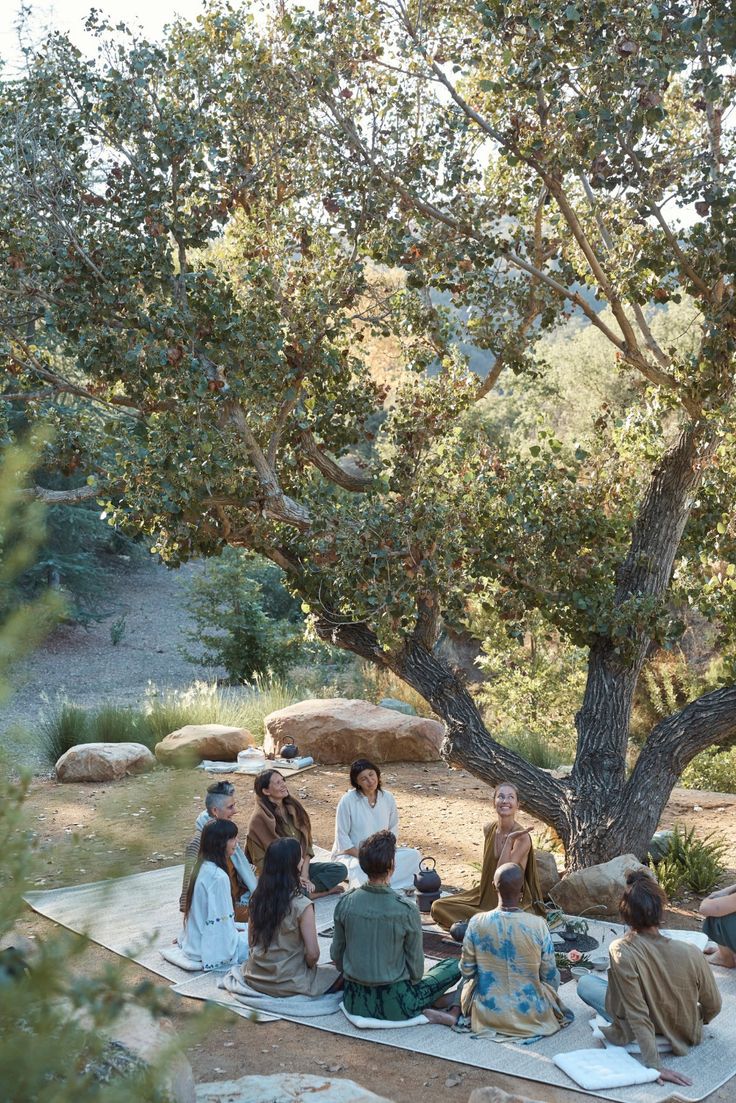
(282, 931)
(278, 815)
(365, 809)
(210, 935)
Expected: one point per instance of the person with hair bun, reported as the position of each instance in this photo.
(506, 841)
(361, 812)
(656, 985)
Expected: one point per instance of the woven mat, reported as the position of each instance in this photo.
(133, 915)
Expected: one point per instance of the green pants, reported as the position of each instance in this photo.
(721, 929)
(325, 875)
(401, 1000)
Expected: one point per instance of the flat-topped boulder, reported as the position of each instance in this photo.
(103, 761)
(597, 890)
(292, 1086)
(337, 729)
(193, 743)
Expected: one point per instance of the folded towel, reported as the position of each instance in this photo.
(301, 1007)
(364, 1023)
(600, 1069)
(174, 954)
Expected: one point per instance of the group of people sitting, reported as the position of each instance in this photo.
(506, 980)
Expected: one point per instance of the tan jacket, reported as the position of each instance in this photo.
(657, 985)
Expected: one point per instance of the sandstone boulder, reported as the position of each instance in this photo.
(340, 730)
(498, 1095)
(595, 888)
(286, 1086)
(191, 744)
(547, 871)
(154, 1041)
(103, 761)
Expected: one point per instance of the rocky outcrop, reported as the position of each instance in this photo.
(288, 1085)
(498, 1095)
(154, 1042)
(339, 730)
(547, 871)
(192, 744)
(103, 761)
(590, 891)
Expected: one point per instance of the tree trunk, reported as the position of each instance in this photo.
(598, 812)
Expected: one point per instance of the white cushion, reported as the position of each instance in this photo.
(174, 954)
(364, 1023)
(599, 1069)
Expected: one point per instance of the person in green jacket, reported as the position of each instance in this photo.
(377, 944)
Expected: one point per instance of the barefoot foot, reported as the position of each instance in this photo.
(441, 1018)
(723, 957)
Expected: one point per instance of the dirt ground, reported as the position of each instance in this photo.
(83, 832)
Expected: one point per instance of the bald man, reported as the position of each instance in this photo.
(508, 963)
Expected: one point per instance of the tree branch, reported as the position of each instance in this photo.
(331, 470)
(276, 505)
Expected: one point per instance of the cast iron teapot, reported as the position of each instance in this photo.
(428, 879)
(289, 749)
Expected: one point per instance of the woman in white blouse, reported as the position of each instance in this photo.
(363, 810)
(210, 936)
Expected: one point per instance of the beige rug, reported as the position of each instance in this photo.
(134, 915)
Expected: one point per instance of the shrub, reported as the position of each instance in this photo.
(693, 861)
(208, 703)
(713, 769)
(231, 625)
(535, 749)
(66, 726)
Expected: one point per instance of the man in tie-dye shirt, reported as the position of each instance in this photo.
(508, 963)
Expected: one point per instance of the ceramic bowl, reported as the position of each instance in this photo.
(599, 960)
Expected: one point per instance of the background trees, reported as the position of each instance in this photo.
(195, 234)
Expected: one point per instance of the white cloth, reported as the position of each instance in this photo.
(599, 1069)
(362, 1022)
(210, 934)
(355, 820)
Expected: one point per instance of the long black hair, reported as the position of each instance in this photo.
(277, 885)
(212, 848)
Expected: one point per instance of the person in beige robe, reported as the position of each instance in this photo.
(506, 841)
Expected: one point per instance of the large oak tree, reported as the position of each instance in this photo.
(198, 238)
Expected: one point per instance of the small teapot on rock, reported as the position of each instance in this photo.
(288, 749)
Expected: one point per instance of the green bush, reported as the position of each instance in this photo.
(692, 861)
(534, 748)
(68, 725)
(231, 625)
(713, 769)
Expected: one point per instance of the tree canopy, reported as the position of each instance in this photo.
(201, 235)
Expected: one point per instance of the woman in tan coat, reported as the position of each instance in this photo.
(506, 841)
(278, 815)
